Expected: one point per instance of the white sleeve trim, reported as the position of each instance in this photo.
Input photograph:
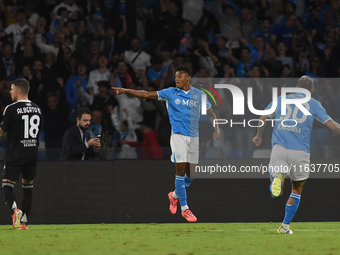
(324, 121)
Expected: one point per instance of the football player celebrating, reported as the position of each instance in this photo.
(183, 105)
(290, 147)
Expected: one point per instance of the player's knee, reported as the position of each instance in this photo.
(27, 182)
(180, 172)
(298, 186)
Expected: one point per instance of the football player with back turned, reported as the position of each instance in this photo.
(290, 147)
(21, 121)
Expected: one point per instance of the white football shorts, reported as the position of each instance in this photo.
(294, 163)
(184, 149)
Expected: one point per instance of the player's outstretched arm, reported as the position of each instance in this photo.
(212, 117)
(334, 126)
(257, 140)
(137, 93)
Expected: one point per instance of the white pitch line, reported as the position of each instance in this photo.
(257, 229)
(320, 230)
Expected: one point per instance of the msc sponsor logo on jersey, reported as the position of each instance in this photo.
(187, 102)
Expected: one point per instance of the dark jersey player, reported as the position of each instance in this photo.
(21, 121)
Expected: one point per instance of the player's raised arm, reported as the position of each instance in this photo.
(257, 140)
(137, 93)
(212, 117)
(332, 125)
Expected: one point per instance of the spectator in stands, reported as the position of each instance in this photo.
(132, 104)
(94, 54)
(284, 32)
(55, 125)
(331, 53)
(302, 65)
(7, 64)
(155, 72)
(32, 15)
(249, 22)
(222, 46)
(150, 145)
(58, 40)
(244, 64)
(135, 57)
(302, 39)
(315, 13)
(121, 77)
(287, 72)
(170, 23)
(68, 4)
(186, 42)
(95, 128)
(227, 21)
(178, 59)
(15, 29)
(207, 54)
(282, 55)
(258, 50)
(60, 20)
(49, 60)
(227, 71)
(111, 41)
(97, 13)
(166, 57)
(103, 101)
(100, 74)
(270, 62)
(315, 69)
(126, 130)
(73, 96)
(264, 29)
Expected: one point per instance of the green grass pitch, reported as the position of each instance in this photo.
(194, 238)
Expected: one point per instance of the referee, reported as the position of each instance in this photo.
(21, 121)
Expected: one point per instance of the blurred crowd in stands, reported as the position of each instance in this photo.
(73, 51)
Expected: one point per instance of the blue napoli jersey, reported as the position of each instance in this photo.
(291, 136)
(184, 109)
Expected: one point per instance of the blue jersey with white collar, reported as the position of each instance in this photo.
(183, 108)
(296, 137)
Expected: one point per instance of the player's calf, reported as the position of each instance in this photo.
(27, 188)
(9, 195)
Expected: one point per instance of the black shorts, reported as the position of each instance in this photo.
(12, 172)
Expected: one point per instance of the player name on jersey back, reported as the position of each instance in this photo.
(28, 109)
(22, 120)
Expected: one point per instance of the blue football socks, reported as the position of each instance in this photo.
(181, 190)
(188, 180)
(291, 209)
